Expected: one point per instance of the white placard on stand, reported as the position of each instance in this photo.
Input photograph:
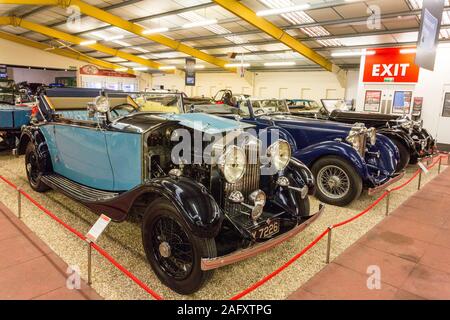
(423, 167)
(98, 228)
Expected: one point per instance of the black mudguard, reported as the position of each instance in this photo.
(402, 136)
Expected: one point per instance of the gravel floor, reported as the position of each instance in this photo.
(123, 241)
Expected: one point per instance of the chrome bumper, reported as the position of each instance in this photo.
(379, 188)
(214, 263)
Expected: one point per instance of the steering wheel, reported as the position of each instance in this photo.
(259, 111)
(122, 105)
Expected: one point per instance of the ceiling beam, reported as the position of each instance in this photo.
(17, 22)
(126, 25)
(269, 28)
(60, 52)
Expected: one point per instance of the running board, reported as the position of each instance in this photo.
(77, 191)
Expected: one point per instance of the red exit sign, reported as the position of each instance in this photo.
(391, 65)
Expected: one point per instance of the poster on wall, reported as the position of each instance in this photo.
(429, 33)
(3, 72)
(372, 101)
(189, 73)
(417, 106)
(402, 102)
(446, 107)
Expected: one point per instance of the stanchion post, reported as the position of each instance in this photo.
(439, 165)
(329, 245)
(420, 180)
(89, 263)
(388, 198)
(19, 203)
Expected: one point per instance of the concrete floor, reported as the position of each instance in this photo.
(123, 241)
(411, 248)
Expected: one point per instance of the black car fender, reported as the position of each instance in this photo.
(197, 207)
(34, 135)
(400, 135)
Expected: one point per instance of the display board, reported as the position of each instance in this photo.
(190, 72)
(446, 106)
(372, 100)
(402, 102)
(3, 72)
(417, 106)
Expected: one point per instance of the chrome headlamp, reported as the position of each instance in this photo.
(101, 104)
(372, 134)
(258, 198)
(280, 154)
(357, 136)
(233, 163)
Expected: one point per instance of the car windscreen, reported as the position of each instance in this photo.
(271, 106)
(335, 104)
(158, 102)
(213, 109)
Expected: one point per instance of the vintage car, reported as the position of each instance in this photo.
(13, 114)
(410, 137)
(117, 160)
(344, 159)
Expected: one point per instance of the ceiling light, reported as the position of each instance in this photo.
(88, 42)
(122, 69)
(237, 65)
(201, 23)
(122, 43)
(167, 68)
(199, 66)
(279, 64)
(156, 30)
(408, 50)
(140, 49)
(353, 53)
(271, 12)
(114, 38)
(140, 68)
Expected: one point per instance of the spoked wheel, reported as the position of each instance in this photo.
(173, 252)
(333, 181)
(34, 169)
(337, 181)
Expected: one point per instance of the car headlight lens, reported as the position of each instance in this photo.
(101, 104)
(354, 140)
(280, 154)
(232, 164)
(372, 134)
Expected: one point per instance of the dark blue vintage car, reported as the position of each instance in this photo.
(13, 114)
(108, 154)
(344, 159)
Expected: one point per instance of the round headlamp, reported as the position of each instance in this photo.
(372, 134)
(101, 104)
(232, 164)
(258, 198)
(280, 154)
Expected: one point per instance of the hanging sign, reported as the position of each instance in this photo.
(430, 24)
(189, 72)
(92, 70)
(391, 65)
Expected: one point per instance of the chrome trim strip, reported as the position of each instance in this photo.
(214, 263)
(375, 190)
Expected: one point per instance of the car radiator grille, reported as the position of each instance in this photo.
(248, 184)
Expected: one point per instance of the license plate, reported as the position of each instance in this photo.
(266, 231)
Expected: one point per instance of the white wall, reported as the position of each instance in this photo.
(430, 86)
(351, 91)
(38, 76)
(309, 85)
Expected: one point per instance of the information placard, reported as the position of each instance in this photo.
(98, 228)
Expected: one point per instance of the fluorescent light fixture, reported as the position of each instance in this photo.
(121, 69)
(353, 53)
(199, 66)
(408, 50)
(140, 69)
(156, 30)
(279, 64)
(122, 43)
(271, 12)
(88, 42)
(200, 23)
(140, 49)
(114, 38)
(167, 68)
(237, 65)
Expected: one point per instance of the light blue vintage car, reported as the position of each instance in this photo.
(100, 149)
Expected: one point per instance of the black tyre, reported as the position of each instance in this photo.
(34, 168)
(173, 252)
(405, 156)
(337, 182)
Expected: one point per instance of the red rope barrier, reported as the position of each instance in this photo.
(99, 249)
(284, 266)
(256, 284)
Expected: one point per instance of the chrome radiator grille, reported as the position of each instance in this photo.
(248, 183)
